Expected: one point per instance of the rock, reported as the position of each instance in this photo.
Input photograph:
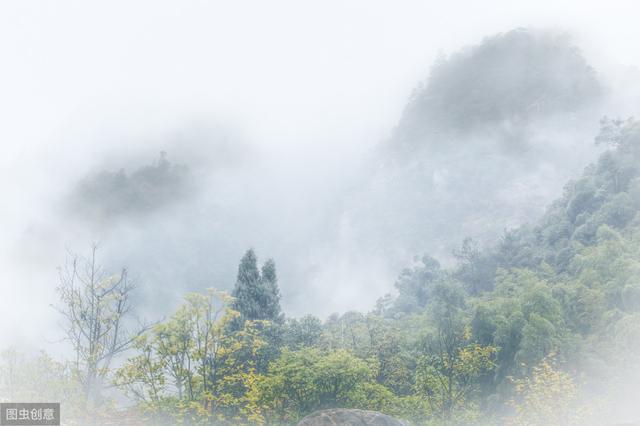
(349, 417)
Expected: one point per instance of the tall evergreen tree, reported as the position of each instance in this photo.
(257, 297)
(256, 294)
(272, 310)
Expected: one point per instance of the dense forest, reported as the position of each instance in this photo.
(539, 329)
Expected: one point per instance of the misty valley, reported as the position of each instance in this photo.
(478, 265)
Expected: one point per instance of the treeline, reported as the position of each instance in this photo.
(534, 331)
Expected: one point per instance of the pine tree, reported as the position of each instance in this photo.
(256, 294)
(272, 292)
(257, 298)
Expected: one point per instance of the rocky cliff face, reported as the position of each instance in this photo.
(350, 418)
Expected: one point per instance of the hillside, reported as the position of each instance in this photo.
(540, 329)
(506, 82)
(517, 309)
(483, 145)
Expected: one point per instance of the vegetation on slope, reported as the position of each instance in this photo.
(521, 333)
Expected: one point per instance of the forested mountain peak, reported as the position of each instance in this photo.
(505, 82)
(484, 145)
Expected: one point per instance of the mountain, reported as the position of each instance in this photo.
(502, 85)
(484, 144)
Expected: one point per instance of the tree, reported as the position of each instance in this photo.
(451, 364)
(415, 285)
(303, 381)
(39, 378)
(269, 280)
(376, 338)
(257, 298)
(192, 367)
(447, 380)
(303, 332)
(548, 397)
(95, 306)
(143, 378)
(288, 391)
(256, 295)
(338, 374)
(618, 133)
(475, 270)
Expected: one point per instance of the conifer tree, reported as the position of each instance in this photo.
(257, 298)
(256, 294)
(272, 311)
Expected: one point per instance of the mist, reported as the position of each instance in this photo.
(276, 134)
(345, 141)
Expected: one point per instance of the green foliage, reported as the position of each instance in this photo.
(476, 270)
(415, 284)
(256, 297)
(193, 367)
(548, 397)
(451, 364)
(40, 379)
(303, 332)
(110, 194)
(300, 382)
(606, 194)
